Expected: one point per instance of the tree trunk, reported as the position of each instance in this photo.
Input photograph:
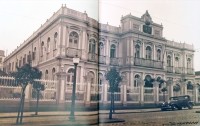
(111, 102)
(36, 111)
(164, 96)
(20, 107)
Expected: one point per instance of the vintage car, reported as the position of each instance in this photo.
(178, 102)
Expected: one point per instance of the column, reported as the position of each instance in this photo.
(60, 40)
(142, 92)
(64, 37)
(156, 91)
(154, 52)
(107, 52)
(143, 50)
(105, 93)
(170, 88)
(183, 88)
(84, 52)
(61, 88)
(195, 93)
(128, 47)
(88, 94)
(131, 51)
(81, 78)
(124, 92)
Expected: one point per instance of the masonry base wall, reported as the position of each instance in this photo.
(12, 106)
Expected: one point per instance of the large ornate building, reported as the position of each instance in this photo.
(2, 56)
(137, 48)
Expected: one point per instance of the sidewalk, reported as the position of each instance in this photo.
(61, 118)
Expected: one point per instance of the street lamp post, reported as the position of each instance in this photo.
(71, 117)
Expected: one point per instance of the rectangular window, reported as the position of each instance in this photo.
(157, 33)
(135, 27)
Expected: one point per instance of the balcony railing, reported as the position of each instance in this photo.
(190, 71)
(72, 52)
(114, 61)
(170, 69)
(92, 57)
(148, 63)
(178, 70)
(102, 59)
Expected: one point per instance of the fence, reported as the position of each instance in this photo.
(191, 94)
(163, 96)
(48, 94)
(148, 94)
(9, 90)
(80, 92)
(133, 94)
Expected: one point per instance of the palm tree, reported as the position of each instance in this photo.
(24, 76)
(114, 79)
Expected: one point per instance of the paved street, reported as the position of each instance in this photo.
(159, 118)
(137, 117)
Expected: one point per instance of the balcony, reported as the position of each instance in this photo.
(72, 52)
(190, 71)
(178, 70)
(102, 59)
(169, 69)
(148, 63)
(92, 57)
(114, 61)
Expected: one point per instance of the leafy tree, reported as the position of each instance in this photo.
(38, 87)
(114, 79)
(24, 76)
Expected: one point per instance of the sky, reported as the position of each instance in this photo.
(180, 18)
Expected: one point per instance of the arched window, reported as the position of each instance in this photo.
(46, 75)
(189, 85)
(101, 49)
(92, 46)
(48, 45)
(91, 77)
(137, 51)
(136, 80)
(113, 51)
(188, 63)
(169, 61)
(176, 61)
(73, 39)
(55, 41)
(70, 75)
(100, 79)
(42, 48)
(148, 81)
(158, 54)
(34, 53)
(53, 74)
(148, 53)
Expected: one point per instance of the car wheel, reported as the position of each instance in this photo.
(179, 108)
(162, 109)
(190, 106)
(173, 107)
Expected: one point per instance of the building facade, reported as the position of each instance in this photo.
(137, 48)
(2, 56)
